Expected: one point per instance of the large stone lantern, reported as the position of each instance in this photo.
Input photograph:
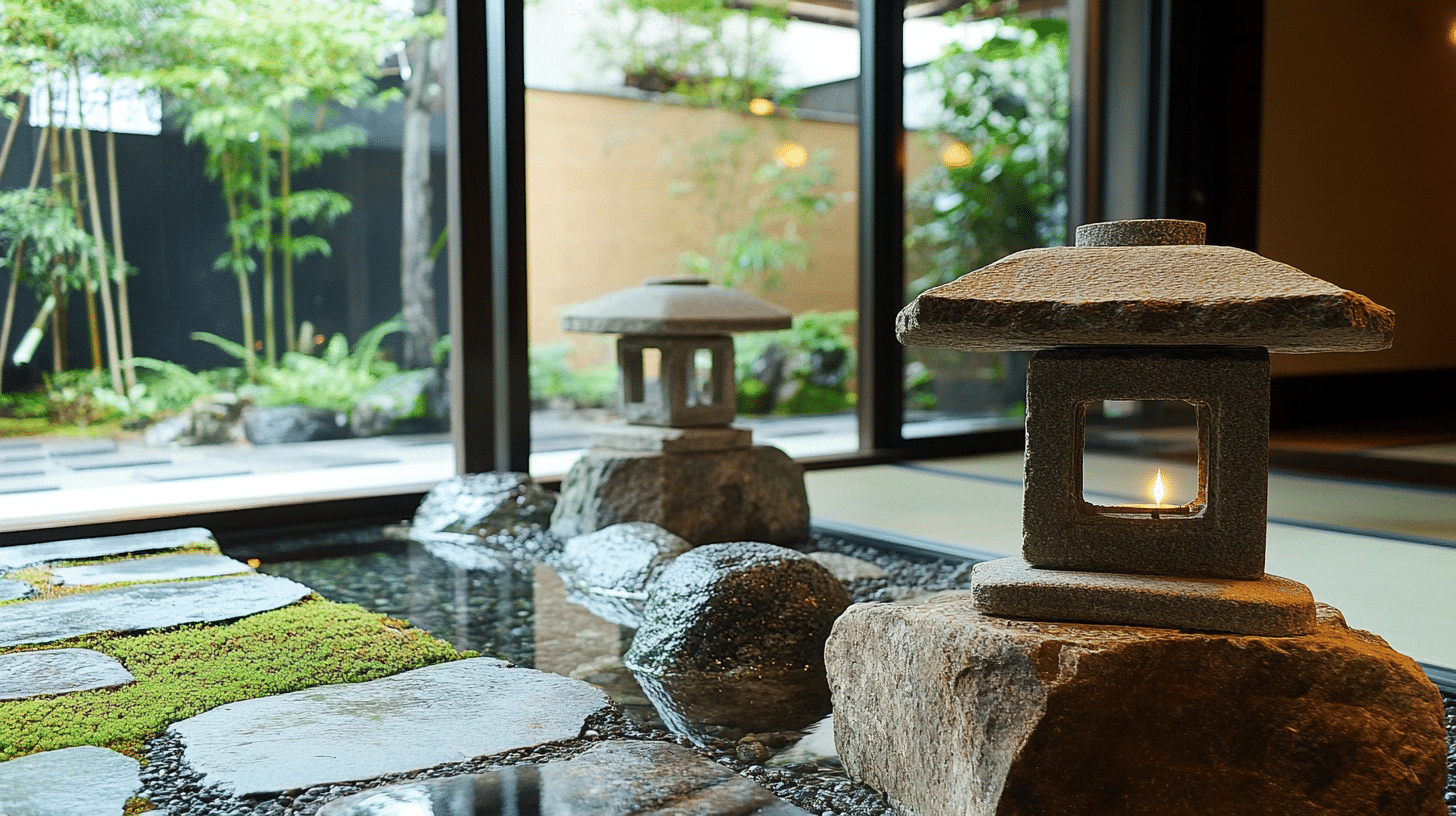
(676, 460)
(1136, 659)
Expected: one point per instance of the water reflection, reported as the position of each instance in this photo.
(481, 598)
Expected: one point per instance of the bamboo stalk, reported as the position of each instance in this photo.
(93, 332)
(285, 182)
(265, 205)
(10, 133)
(230, 196)
(9, 321)
(123, 300)
(103, 279)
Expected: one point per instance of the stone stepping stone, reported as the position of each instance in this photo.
(31, 487)
(25, 555)
(48, 783)
(104, 461)
(85, 447)
(183, 472)
(641, 778)
(58, 671)
(449, 712)
(144, 606)
(10, 590)
(171, 567)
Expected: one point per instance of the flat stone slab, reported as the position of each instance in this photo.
(178, 473)
(144, 606)
(613, 778)
(103, 461)
(48, 783)
(28, 487)
(10, 590)
(1271, 606)
(171, 567)
(449, 712)
(58, 671)
(25, 555)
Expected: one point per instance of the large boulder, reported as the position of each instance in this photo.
(504, 509)
(740, 608)
(745, 494)
(608, 571)
(404, 402)
(953, 712)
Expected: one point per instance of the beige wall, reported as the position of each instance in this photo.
(1358, 169)
(602, 214)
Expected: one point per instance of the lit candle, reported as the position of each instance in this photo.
(1159, 490)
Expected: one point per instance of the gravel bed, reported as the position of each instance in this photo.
(492, 612)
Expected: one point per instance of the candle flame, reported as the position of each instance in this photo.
(1159, 489)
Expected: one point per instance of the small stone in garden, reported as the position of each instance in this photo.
(847, 568)
(646, 778)
(741, 606)
(449, 712)
(404, 402)
(58, 671)
(749, 749)
(25, 555)
(293, 423)
(613, 567)
(154, 568)
(508, 510)
(46, 784)
(10, 590)
(144, 606)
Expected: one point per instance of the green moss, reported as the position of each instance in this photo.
(184, 671)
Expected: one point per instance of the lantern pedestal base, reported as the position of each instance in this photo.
(1270, 606)
(956, 713)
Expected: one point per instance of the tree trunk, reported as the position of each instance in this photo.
(417, 268)
(230, 172)
(10, 135)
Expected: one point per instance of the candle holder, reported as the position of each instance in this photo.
(1143, 310)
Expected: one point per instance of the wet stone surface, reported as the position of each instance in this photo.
(11, 590)
(155, 568)
(58, 671)
(145, 606)
(606, 780)
(46, 784)
(25, 555)
(443, 713)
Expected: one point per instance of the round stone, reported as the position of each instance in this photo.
(1142, 232)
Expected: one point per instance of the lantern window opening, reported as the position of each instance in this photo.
(1160, 491)
(703, 367)
(641, 369)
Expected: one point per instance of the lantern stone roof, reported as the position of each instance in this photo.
(1168, 293)
(682, 305)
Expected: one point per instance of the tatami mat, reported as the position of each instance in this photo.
(1372, 550)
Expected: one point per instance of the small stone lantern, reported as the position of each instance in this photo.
(1143, 310)
(677, 461)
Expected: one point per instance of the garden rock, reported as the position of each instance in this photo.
(293, 423)
(747, 494)
(609, 570)
(847, 568)
(212, 420)
(58, 671)
(173, 567)
(609, 779)
(45, 784)
(508, 510)
(449, 712)
(25, 555)
(743, 608)
(405, 402)
(1133, 720)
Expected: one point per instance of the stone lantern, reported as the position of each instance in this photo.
(1136, 658)
(676, 460)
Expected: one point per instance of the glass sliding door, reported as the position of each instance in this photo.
(223, 259)
(986, 118)
(719, 142)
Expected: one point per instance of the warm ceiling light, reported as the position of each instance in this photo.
(758, 106)
(956, 154)
(1451, 35)
(790, 154)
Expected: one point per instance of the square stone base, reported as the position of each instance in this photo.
(1271, 606)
